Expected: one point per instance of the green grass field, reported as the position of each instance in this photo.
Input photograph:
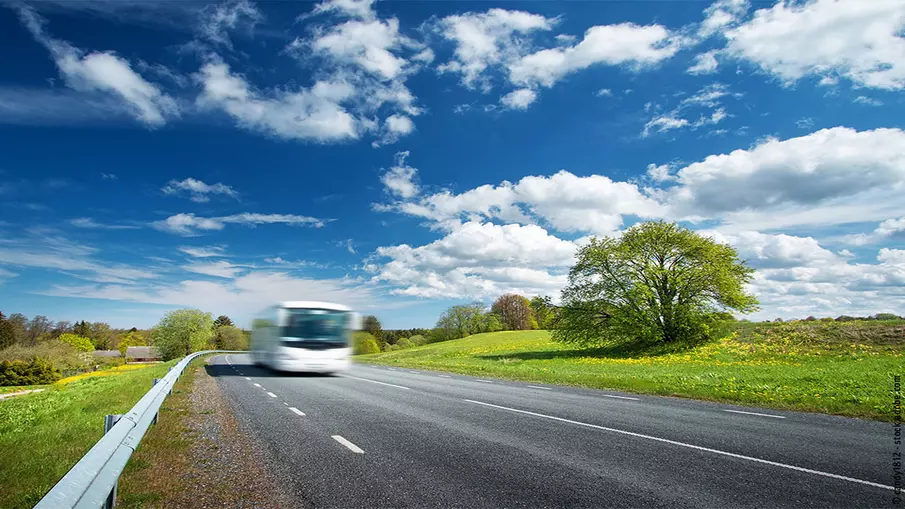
(43, 435)
(836, 368)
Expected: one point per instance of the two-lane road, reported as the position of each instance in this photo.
(395, 437)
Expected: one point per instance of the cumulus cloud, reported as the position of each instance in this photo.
(400, 179)
(104, 73)
(487, 39)
(622, 44)
(197, 190)
(519, 99)
(851, 39)
(316, 113)
(885, 230)
(190, 224)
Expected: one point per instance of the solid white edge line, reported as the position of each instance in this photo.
(257, 385)
(690, 446)
(374, 381)
(539, 387)
(297, 411)
(444, 376)
(484, 381)
(227, 360)
(618, 397)
(755, 413)
(272, 395)
(352, 447)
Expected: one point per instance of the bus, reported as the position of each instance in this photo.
(304, 336)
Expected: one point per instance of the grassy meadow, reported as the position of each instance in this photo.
(842, 368)
(43, 435)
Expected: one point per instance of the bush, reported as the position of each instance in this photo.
(80, 343)
(62, 356)
(228, 337)
(364, 342)
(35, 372)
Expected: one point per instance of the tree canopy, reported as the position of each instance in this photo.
(515, 312)
(80, 343)
(372, 326)
(223, 320)
(657, 282)
(182, 332)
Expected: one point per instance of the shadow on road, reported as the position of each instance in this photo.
(250, 370)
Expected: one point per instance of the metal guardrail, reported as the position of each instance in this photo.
(91, 483)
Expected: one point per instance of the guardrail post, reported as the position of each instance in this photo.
(110, 420)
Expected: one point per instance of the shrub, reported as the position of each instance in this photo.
(131, 339)
(364, 342)
(80, 343)
(62, 355)
(404, 343)
(228, 337)
(35, 372)
(418, 340)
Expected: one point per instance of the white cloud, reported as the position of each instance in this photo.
(722, 14)
(604, 92)
(868, 101)
(104, 72)
(832, 176)
(218, 19)
(87, 222)
(663, 124)
(885, 230)
(348, 244)
(704, 63)
(203, 252)
(623, 44)
(856, 40)
(361, 9)
(108, 176)
(478, 260)
(660, 173)
(314, 113)
(564, 201)
(519, 99)
(198, 190)
(487, 39)
(400, 179)
(190, 224)
(806, 123)
(367, 44)
(221, 268)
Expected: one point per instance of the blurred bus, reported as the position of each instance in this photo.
(304, 336)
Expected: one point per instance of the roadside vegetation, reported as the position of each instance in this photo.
(42, 435)
(39, 351)
(842, 368)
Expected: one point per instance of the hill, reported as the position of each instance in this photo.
(837, 368)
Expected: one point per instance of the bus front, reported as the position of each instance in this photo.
(314, 339)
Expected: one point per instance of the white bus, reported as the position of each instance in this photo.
(304, 336)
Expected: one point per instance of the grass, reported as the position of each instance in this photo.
(6, 389)
(835, 368)
(43, 435)
(162, 460)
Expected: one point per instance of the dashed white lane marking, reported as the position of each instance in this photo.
(444, 376)
(755, 413)
(272, 395)
(618, 397)
(287, 404)
(258, 385)
(374, 381)
(297, 411)
(690, 446)
(352, 447)
(415, 372)
(485, 381)
(539, 387)
(247, 378)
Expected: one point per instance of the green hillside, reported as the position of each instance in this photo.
(837, 368)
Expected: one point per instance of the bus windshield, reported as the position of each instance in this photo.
(315, 324)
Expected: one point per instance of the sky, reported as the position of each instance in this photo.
(402, 157)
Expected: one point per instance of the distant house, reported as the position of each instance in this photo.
(143, 353)
(107, 353)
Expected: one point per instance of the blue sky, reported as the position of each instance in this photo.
(405, 156)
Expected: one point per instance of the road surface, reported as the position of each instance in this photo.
(394, 437)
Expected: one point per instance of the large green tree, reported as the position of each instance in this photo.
(657, 282)
(543, 311)
(227, 337)
(182, 332)
(372, 326)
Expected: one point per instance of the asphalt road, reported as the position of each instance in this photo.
(393, 437)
